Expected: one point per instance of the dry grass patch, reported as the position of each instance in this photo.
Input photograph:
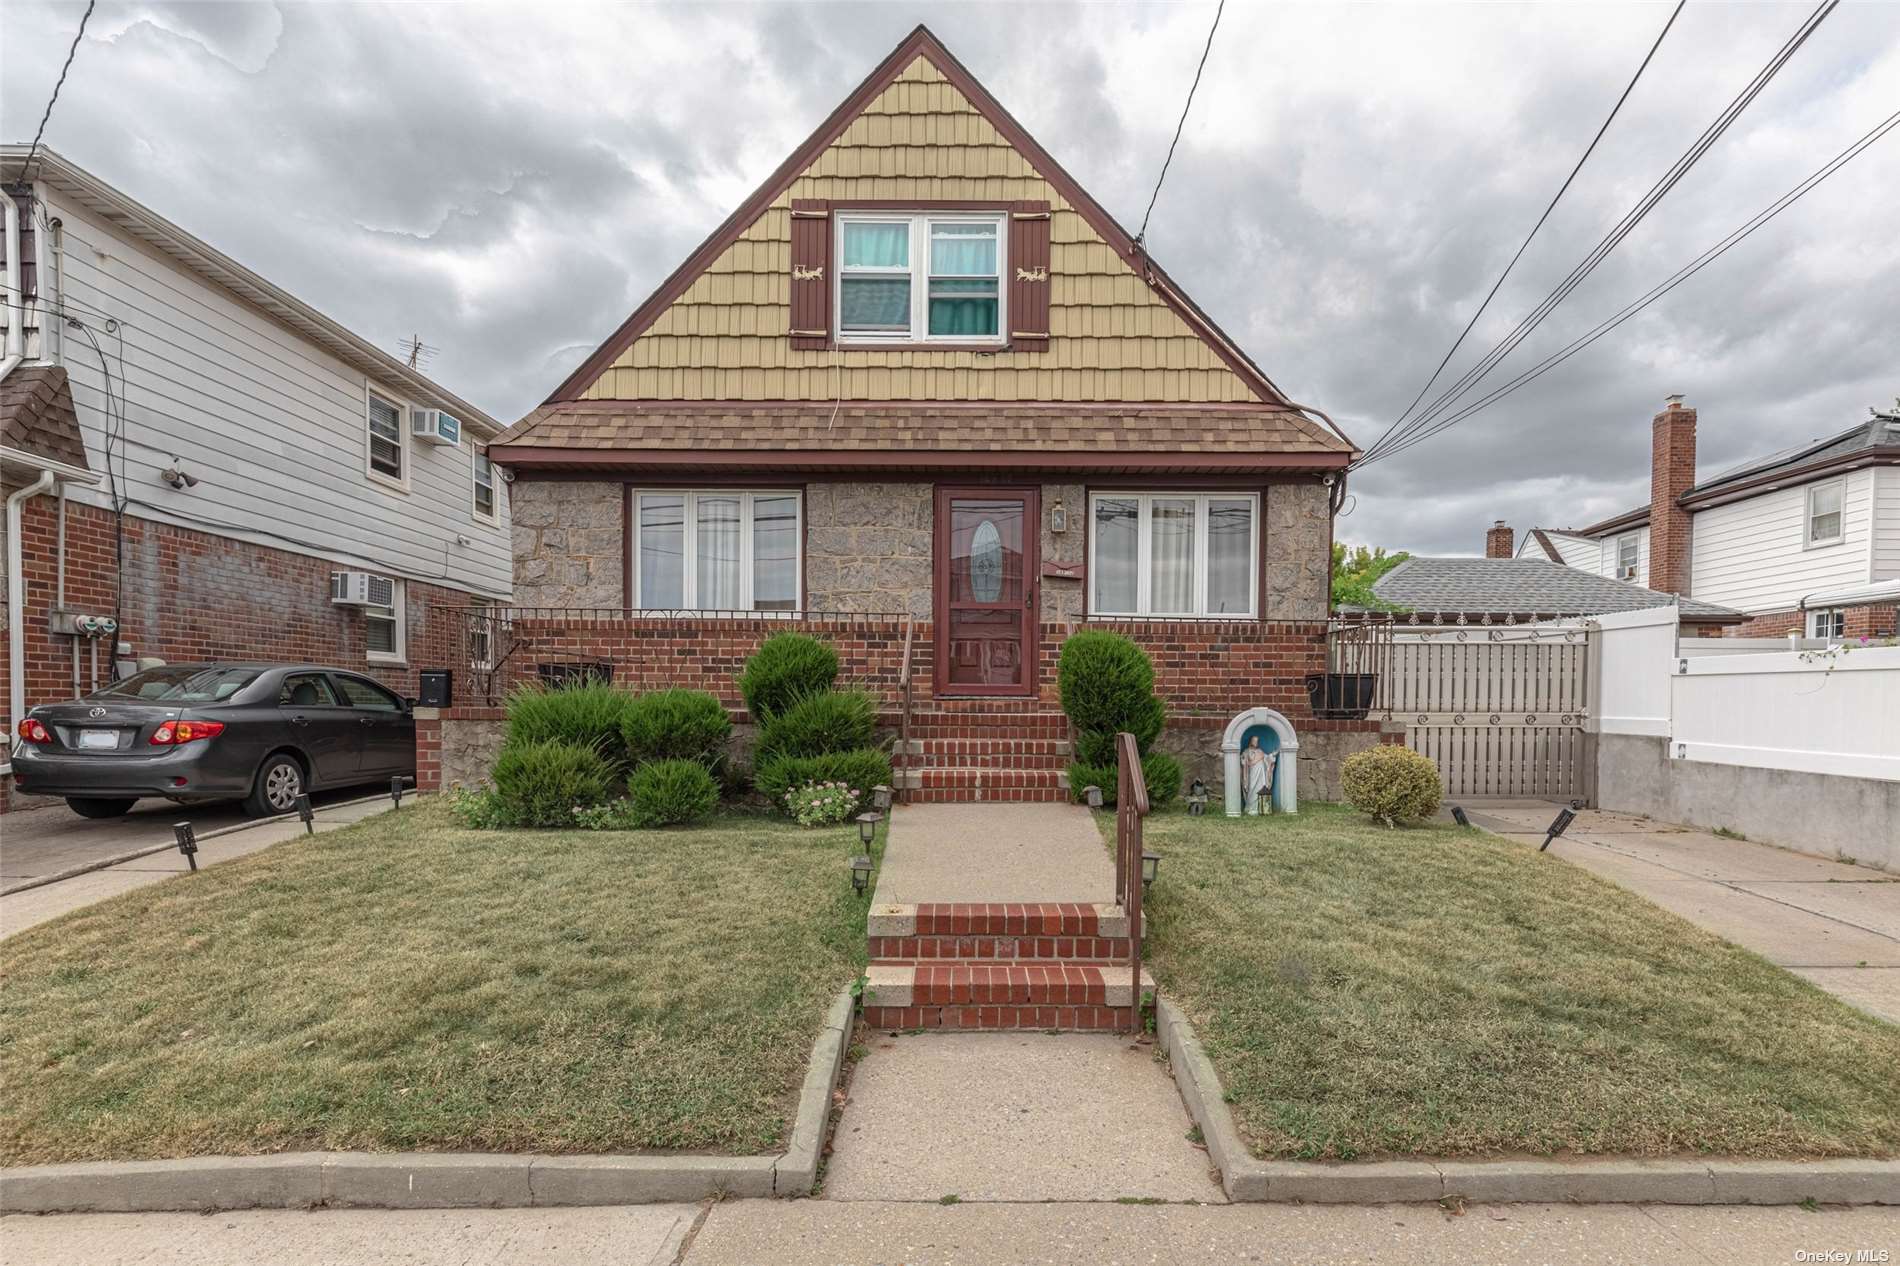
(1368, 992)
(409, 984)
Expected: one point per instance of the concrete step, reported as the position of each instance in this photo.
(1048, 995)
(966, 784)
(997, 918)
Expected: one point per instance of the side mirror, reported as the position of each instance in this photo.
(409, 703)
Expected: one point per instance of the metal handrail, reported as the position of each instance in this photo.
(903, 717)
(1131, 806)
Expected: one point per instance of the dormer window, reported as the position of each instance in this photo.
(934, 278)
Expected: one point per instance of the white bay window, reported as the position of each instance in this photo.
(717, 551)
(1173, 554)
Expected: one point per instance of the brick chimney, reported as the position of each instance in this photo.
(1500, 541)
(1671, 473)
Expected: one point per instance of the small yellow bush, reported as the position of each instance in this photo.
(1392, 784)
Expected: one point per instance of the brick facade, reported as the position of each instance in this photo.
(1500, 541)
(1671, 473)
(1883, 621)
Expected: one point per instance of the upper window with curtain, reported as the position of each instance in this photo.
(1189, 555)
(920, 278)
(716, 551)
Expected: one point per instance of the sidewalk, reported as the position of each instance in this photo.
(992, 853)
(1831, 923)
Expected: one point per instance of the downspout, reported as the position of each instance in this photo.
(16, 600)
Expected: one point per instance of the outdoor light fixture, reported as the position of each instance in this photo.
(1197, 798)
(395, 789)
(880, 797)
(187, 842)
(1564, 818)
(1058, 517)
(867, 827)
(1093, 795)
(860, 873)
(1458, 815)
(303, 811)
(1150, 863)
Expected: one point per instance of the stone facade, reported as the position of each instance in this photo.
(569, 543)
(1299, 551)
(868, 547)
(1064, 601)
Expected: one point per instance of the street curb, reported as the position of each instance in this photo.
(1606, 1180)
(105, 863)
(443, 1180)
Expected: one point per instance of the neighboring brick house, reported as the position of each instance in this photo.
(920, 387)
(1805, 541)
(192, 452)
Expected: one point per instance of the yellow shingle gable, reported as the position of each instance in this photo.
(1112, 338)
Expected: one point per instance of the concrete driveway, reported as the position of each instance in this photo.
(1835, 924)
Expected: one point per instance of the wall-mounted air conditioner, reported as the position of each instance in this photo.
(361, 589)
(433, 426)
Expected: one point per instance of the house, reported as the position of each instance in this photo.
(199, 465)
(923, 394)
(1806, 540)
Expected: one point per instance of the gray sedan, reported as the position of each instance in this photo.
(265, 733)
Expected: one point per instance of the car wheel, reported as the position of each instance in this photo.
(100, 806)
(279, 783)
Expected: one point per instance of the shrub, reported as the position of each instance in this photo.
(860, 770)
(671, 792)
(1160, 772)
(829, 721)
(1097, 747)
(1105, 680)
(1393, 784)
(822, 803)
(588, 713)
(676, 725)
(541, 783)
(786, 668)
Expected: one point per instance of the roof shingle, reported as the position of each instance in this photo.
(37, 417)
(1524, 587)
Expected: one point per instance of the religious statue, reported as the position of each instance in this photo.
(1256, 772)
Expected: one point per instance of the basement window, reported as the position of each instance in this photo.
(717, 551)
(1173, 554)
(1824, 512)
(920, 278)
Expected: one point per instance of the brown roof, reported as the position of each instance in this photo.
(1247, 435)
(36, 415)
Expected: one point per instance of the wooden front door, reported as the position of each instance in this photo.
(987, 565)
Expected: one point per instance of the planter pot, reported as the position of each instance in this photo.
(1341, 696)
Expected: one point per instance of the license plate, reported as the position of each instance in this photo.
(94, 739)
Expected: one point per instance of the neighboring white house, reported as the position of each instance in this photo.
(1805, 540)
(240, 449)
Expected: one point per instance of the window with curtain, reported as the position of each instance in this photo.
(1824, 512)
(909, 278)
(716, 551)
(1192, 555)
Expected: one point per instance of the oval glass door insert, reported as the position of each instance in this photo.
(986, 563)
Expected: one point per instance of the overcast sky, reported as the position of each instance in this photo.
(510, 181)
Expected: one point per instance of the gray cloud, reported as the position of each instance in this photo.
(509, 181)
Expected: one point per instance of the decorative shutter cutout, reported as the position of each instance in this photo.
(811, 274)
(1029, 278)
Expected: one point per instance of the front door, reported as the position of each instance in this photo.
(987, 563)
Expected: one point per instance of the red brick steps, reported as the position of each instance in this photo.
(1024, 995)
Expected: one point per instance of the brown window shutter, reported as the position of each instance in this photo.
(1029, 276)
(811, 273)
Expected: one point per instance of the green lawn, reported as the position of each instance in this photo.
(409, 984)
(1366, 992)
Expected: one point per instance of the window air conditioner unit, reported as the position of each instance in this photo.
(1626, 573)
(435, 427)
(361, 589)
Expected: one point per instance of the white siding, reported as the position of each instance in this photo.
(1576, 551)
(1886, 533)
(1605, 562)
(272, 426)
(1749, 554)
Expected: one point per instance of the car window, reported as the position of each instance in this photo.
(180, 684)
(360, 692)
(306, 690)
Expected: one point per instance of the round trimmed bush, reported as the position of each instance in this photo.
(541, 783)
(829, 721)
(1106, 682)
(588, 713)
(671, 792)
(786, 668)
(676, 725)
(1391, 783)
(862, 770)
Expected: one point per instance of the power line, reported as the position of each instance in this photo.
(1621, 230)
(1142, 236)
(1562, 189)
(58, 84)
(1675, 279)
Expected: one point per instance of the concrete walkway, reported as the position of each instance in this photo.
(827, 1232)
(1835, 924)
(994, 852)
(24, 909)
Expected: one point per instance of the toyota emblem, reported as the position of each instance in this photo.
(95, 712)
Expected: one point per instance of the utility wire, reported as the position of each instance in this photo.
(58, 84)
(1621, 230)
(1142, 236)
(1675, 279)
(1564, 188)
